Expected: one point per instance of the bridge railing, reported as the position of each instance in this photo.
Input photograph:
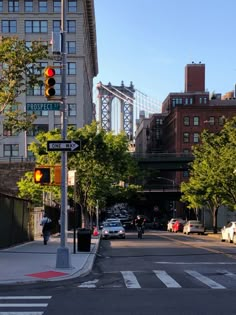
(163, 156)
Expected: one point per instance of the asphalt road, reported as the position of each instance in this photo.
(164, 273)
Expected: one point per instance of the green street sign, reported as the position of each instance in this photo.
(42, 106)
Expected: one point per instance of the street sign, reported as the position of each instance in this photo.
(64, 145)
(42, 106)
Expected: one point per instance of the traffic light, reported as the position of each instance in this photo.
(49, 82)
(42, 175)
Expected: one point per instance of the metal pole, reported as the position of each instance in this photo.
(63, 254)
(97, 219)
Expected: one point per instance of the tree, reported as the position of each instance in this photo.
(212, 181)
(102, 162)
(20, 70)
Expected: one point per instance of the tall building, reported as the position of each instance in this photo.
(36, 20)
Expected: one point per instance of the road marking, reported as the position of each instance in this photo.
(21, 313)
(194, 263)
(24, 297)
(88, 284)
(210, 283)
(166, 279)
(23, 305)
(130, 280)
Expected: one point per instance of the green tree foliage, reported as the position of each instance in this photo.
(212, 179)
(20, 70)
(100, 165)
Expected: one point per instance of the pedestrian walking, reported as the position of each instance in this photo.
(46, 223)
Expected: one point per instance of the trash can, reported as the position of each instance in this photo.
(84, 240)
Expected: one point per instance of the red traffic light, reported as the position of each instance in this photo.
(49, 72)
(49, 82)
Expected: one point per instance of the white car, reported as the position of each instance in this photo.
(171, 223)
(113, 229)
(193, 226)
(228, 232)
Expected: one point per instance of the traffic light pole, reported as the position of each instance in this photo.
(63, 255)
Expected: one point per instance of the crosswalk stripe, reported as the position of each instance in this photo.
(166, 279)
(23, 305)
(21, 313)
(25, 297)
(210, 283)
(130, 280)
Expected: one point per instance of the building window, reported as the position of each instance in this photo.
(71, 68)
(38, 113)
(36, 129)
(57, 113)
(71, 89)
(58, 89)
(11, 150)
(71, 109)
(28, 5)
(56, 26)
(56, 6)
(36, 26)
(221, 120)
(72, 6)
(13, 6)
(186, 101)
(196, 137)
(186, 137)
(9, 26)
(71, 26)
(43, 6)
(8, 132)
(186, 151)
(71, 47)
(1, 6)
(35, 90)
(186, 121)
(212, 121)
(185, 174)
(57, 70)
(190, 100)
(196, 121)
(205, 100)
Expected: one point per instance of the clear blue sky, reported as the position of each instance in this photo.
(149, 42)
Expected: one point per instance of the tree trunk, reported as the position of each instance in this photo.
(215, 214)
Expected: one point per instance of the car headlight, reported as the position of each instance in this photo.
(106, 232)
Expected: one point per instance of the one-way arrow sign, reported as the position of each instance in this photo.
(64, 145)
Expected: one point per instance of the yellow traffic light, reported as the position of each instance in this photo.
(49, 82)
(42, 175)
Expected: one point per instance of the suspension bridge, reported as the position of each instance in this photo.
(118, 108)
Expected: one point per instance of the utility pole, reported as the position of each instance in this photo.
(63, 254)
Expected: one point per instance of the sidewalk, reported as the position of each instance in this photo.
(34, 262)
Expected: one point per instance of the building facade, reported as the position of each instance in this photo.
(36, 20)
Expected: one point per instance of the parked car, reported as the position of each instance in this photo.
(193, 226)
(171, 223)
(113, 229)
(178, 226)
(228, 232)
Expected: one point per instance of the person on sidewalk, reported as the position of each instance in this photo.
(46, 223)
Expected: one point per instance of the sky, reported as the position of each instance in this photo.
(149, 42)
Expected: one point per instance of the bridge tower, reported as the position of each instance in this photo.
(125, 95)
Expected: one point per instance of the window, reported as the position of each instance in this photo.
(1, 6)
(71, 68)
(71, 49)
(9, 26)
(57, 70)
(56, 6)
(190, 100)
(71, 89)
(28, 5)
(36, 129)
(56, 26)
(57, 113)
(221, 120)
(36, 26)
(196, 121)
(58, 89)
(212, 121)
(35, 91)
(43, 6)
(186, 151)
(8, 132)
(196, 137)
(72, 6)
(71, 109)
(186, 101)
(186, 121)
(185, 174)
(11, 150)
(13, 6)
(186, 137)
(38, 112)
(71, 26)
(205, 100)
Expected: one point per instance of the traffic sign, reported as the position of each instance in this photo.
(64, 145)
(42, 106)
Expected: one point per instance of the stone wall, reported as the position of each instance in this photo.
(11, 173)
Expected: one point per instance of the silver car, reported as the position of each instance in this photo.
(113, 229)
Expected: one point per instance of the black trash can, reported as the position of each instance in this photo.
(84, 240)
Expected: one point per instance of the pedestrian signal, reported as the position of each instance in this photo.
(49, 82)
(42, 175)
